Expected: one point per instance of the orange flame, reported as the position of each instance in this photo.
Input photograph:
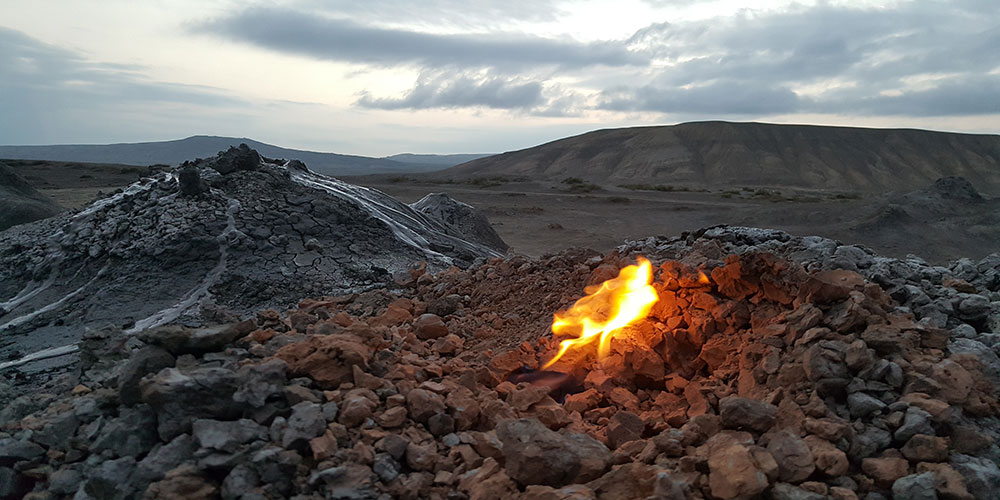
(607, 308)
(703, 279)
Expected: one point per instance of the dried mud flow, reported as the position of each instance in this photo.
(209, 241)
(803, 369)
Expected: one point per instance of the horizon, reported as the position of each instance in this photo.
(380, 79)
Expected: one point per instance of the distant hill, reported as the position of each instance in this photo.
(756, 154)
(20, 202)
(442, 161)
(201, 146)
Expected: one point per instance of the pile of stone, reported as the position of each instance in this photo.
(778, 378)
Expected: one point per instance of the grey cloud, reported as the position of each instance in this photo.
(345, 40)
(47, 91)
(458, 13)
(853, 56)
(442, 91)
(717, 98)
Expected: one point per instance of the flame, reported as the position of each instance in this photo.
(607, 308)
(703, 279)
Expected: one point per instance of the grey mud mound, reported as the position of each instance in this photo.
(212, 240)
(20, 203)
(461, 217)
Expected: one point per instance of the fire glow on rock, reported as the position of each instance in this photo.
(605, 309)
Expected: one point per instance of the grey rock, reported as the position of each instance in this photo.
(14, 450)
(989, 358)
(190, 183)
(749, 414)
(131, 434)
(276, 467)
(179, 398)
(165, 457)
(785, 491)
(239, 481)
(916, 487)
(305, 423)
(793, 456)
(109, 481)
(149, 359)
(916, 421)
(386, 467)
(13, 484)
(972, 307)
(226, 435)
(869, 442)
(64, 481)
(982, 475)
(57, 431)
(330, 411)
(178, 339)
(863, 405)
(395, 445)
(260, 383)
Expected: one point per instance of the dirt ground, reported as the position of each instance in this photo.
(535, 218)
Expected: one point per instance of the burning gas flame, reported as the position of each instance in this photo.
(608, 307)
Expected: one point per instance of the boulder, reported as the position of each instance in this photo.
(746, 414)
(534, 454)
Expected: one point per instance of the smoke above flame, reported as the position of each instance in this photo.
(605, 309)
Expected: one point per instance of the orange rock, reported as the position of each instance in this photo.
(328, 360)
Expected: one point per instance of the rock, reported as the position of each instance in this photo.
(179, 398)
(533, 454)
(972, 307)
(594, 456)
(392, 418)
(736, 469)
(624, 426)
(871, 441)
(386, 468)
(346, 482)
(749, 414)
(13, 484)
(394, 444)
(327, 359)
(916, 487)
(190, 183)
(58, 431)
(924, 448)
(131, 434)
(424, 404)
(149, 359)
(356, 409)
(862, 405)
(182, 483)
(828, 458)
(429, 326)
(825, 366)
(915, 422)
(260, 383)
(950, 484)
(13, 450)
(462, 219)
(885, 470)
(421, 457)
(785, 491)
(64, 481)
(488, 482)
(629, 481)
(179, 340)
(831, 286)
(955, 381)
(982, 476)
(155, 465)
(226, 436)
(239, 482)
(306, 422)
(793, 456)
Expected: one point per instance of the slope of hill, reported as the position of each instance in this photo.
(756, 154)
(201, 146)
(441, 161)
(20, 202)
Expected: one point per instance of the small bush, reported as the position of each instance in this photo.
(619, 199)
(572, 180)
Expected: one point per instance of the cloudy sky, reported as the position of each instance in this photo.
(447, 76)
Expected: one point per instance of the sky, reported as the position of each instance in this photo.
(381, 77)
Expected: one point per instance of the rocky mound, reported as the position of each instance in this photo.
(213, 239)
(755, 154)
(463, 218)
(19, 202)
(799, 369)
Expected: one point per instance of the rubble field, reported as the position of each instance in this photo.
(799, 369)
